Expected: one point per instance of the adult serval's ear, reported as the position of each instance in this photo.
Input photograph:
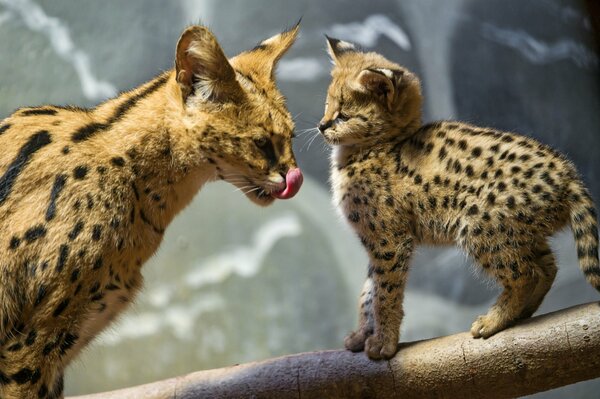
(337, 48)
(202, 69)
(262, 59)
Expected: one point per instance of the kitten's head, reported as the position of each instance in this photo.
(370, 98)
(235, 112)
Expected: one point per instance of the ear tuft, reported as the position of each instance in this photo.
(270, 50)
(202, 68)
(336, 48)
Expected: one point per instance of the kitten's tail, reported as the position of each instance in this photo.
(584, 223)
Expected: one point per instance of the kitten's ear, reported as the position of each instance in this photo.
(270, 50)
(202, 69)
(381, 82)
(337, 47)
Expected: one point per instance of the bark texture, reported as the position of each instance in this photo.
(538, 354)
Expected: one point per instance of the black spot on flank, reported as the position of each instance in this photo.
(510, 202)
(501, 186)
(74, 275)
(57, 187)
(38, 111)
(22, 376)
(35, 233)
(101, 169)
(14, 242)
(4, 128)
(515, 169)
(66, 150)
(80, 172)
(462, 144)
(432, 202)
(491, 198)
(61, 307)
(457, 166)
(507, 139)
(90, 201)
(41, 294)
(473, 210)
(495, 148)
(418, 179)
(511, 157)
(442, 154)
(469, 170)
(524, 157)
(33, 144)
(30, 340)
(97, 264)
(118, 161)
(476, 152)
(76, 230)
(354, 217)
(63, 254)
(96, 232)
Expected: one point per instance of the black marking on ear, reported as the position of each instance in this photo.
(334, 43)
(59, 184)
(259, 46)
(4, 128)
(38, 111)
(91, 129)
(35, 142)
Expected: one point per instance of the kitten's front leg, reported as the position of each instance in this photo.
(390, 271)
(355, 341)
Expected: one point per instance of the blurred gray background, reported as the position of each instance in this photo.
(223, 291)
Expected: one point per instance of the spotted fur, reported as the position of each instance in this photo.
(86, 195)
(399, 183)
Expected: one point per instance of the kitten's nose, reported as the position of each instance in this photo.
(324, 125)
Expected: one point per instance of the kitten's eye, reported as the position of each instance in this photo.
(343, 117)
(261, 142)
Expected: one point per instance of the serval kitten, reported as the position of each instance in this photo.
(399, 183)
(86, 195)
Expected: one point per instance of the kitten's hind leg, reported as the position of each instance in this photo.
(519, 276)
(355, 341)
(546, 269)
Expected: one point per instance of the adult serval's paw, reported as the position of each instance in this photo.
(380, 347)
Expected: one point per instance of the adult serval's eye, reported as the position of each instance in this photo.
(261, 142)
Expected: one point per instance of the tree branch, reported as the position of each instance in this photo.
(538, 354)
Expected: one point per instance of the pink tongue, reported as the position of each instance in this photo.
(293, 181)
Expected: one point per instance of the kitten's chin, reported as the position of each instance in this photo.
(343, 138)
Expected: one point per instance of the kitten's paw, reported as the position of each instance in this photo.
(379, 347)
(486, 326)
(355, 341)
